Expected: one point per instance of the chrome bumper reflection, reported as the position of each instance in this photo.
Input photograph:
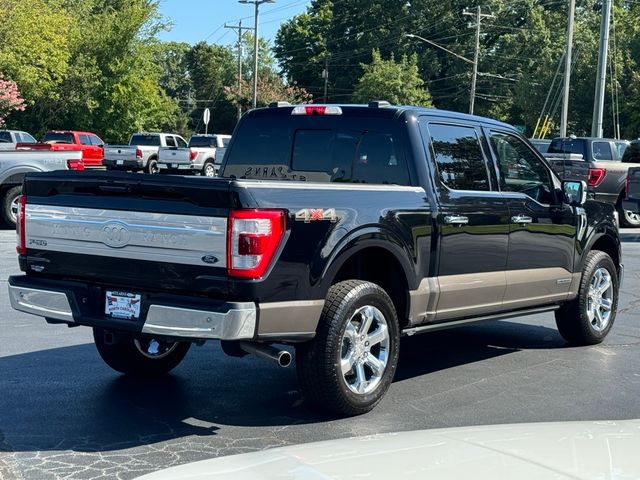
(45, 303)
(238, 322)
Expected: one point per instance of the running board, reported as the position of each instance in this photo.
(467, 321)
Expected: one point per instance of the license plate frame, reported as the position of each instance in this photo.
(122, 305)
(174, 165)
(119, 162)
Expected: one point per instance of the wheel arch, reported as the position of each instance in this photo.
(375, 259)
(606, 242)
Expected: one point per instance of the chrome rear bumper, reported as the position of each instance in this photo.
(234, 321)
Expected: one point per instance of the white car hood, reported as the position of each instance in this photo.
(571, 450)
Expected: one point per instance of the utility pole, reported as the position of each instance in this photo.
(240, 29)
(257, 4)
(325, 75)
(567, 71)
(598, 102)
(478, 17)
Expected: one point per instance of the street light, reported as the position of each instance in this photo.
(464, 59)
(257, 4)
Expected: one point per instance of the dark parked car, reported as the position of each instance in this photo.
(335, 229)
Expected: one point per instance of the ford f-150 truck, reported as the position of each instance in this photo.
(15, 164)
(601, 160)
(9, 139)
(141, 153)
(335, 229)
(91, 146)
(203, 155)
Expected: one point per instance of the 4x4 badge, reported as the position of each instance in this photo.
(307, 215)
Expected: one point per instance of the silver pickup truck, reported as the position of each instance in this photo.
(203, 155)
(14, 164)
(9, 139)
(141, 153)
(604, 163)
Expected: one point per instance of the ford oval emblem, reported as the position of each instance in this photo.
(115, 234)
(210, 259)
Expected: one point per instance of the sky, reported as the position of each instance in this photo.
(197, 20)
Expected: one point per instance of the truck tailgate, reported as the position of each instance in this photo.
(171, 155)
(119, 152)
(131, 231)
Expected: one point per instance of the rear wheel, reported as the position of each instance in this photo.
(10, 205)
(628, 218)
(143, 356)
(348, 367)
(152, 166)
(209, 170)
(587, 319)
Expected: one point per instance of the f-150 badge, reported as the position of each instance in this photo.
(308, 215)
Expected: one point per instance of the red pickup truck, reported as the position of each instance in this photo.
(91, 146)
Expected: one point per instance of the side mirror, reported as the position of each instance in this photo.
(575, 192)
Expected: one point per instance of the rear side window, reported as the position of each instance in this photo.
(601, 151)
(58, 137)
(459, 158)
(181, 142)
(620, 148)
(145, 140)
(95, 141)
(84, 139)
(225, 142)
(5, 137)
(26, 138)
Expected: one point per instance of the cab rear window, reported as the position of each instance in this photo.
(145, 140)
(321, 149)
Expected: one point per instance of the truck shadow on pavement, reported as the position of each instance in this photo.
(67, 399)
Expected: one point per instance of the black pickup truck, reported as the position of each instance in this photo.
(337, 230)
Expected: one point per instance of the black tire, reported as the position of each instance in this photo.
(572, 318)
(628, 218)
(152, 166)
(318, 362)
(8, 199)
(119, 351)
(209, 169)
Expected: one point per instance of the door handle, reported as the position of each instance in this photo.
(456, 219)
(521, 219)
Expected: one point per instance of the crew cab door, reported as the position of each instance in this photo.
(542, 230)
(473, 221)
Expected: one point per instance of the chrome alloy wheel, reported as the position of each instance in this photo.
(600, 299)
(14, 209)
(209, 170)
(154, 349)
(365, 350)
(632, 217)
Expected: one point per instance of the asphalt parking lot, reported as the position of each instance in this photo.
(64, 414)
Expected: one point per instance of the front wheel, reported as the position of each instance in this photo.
(143, 356)
(587, 319)
(348, 367)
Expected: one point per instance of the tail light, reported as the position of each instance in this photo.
(253, 238)
(626, 186)
(75, 165)
(596, 176)
(192, 155)
(138, 153)
(20, 224)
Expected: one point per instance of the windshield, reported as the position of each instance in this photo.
(58, 137)
(145, 140)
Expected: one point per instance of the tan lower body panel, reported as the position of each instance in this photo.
(459, 296)
(294, 318)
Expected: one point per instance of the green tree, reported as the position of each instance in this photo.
(397, 82)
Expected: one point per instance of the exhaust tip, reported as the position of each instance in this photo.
(284, 359)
